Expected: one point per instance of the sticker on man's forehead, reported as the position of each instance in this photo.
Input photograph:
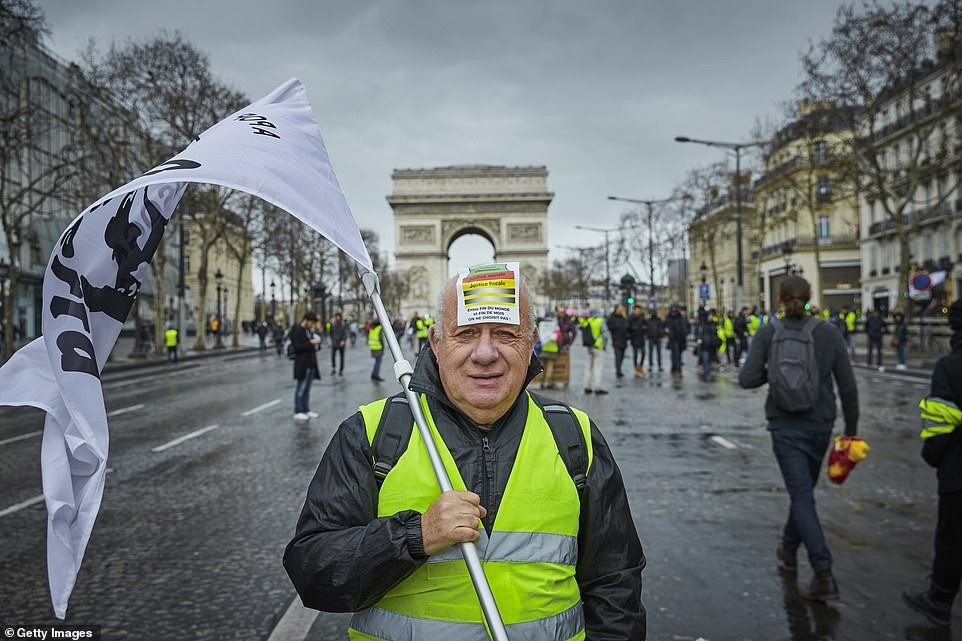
(489, 294)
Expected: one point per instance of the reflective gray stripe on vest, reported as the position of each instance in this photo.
(530, 547)
(391, 626)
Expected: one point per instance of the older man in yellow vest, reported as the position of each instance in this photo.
(563, 559)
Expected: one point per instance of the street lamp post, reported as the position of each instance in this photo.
(218, 343)
(649, 204)
(273, 318)
(605, 231)
(737, 148)
(4, 272)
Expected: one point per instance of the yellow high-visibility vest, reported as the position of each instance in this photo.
(529, 559)
(374, 339)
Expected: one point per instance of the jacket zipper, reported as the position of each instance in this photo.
(485, 451)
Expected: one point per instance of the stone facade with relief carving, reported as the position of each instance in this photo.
(434, 207)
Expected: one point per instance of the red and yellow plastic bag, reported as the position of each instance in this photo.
(845, 452)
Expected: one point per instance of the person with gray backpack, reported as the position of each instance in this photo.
(799, 356)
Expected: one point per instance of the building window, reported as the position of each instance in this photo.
(943, 245)
(821, 152)
(824, 190)
(928, 252)
(186, 263)
(824, 229)
(873, 259)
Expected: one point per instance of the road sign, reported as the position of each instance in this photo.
(652, 303)
(703, 291)
(921, 281)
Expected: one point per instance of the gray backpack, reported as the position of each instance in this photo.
(792, 368)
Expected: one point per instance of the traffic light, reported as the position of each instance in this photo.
(629, 298)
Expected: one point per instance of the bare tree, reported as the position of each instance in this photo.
(166, 81)
(38, 153)
(708, 219)
(876, 71)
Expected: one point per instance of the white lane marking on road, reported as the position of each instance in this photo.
(261, 407)
(724, 442)
(124, 410)
(295, 624)
(22, 504)
(186, 437)
(14, 439)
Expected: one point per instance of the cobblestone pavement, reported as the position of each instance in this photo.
(189, 539)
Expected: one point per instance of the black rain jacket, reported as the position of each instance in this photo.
(945, 452)
(343, 558)
(831, 355)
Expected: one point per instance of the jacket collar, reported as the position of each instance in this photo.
(427, 380)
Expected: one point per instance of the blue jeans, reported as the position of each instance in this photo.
(302, 392)
(378, 355)
(900, 352)
(799, 453)
(706, 364)
(654, 345)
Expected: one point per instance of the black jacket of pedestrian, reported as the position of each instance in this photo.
(343, 558)
(637, 330)
(831, 354)
(945, 452)
(678, 328)
(305, 354)
(338, 334)
(655, 328)
(875, 327)
(618, 328)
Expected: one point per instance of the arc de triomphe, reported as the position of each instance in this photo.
(434, 207)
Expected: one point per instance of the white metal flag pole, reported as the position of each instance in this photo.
(403, 371)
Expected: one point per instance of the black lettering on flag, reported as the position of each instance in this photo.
(175, 163)
(77, 353)
(66, 244)
(258, 124)
(60, 306)
(68, 276)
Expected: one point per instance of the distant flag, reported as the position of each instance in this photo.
(272, 149)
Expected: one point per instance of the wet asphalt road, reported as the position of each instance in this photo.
(189, 539)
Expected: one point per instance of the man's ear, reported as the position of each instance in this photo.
(433, 341)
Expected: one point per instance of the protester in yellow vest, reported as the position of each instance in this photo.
(377, 349)
(170, 341)
(389, 554)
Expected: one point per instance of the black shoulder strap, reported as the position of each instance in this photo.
(394, 432)
(392, 436)
(569, 438)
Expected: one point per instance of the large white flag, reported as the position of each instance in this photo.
(272, 149)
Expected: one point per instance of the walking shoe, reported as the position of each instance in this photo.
(313, 414)
(787, 562)
(301, 416)
(377, 379)
(332, 372)
(600, 391)
(929, 604)
(821, 588)
(900, 366)
(588, 390)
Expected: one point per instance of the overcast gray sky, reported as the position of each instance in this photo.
(595, 91)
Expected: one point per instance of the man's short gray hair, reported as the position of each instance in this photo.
(437, 327)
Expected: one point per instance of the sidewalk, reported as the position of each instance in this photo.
(122, 358)
(918, 365)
